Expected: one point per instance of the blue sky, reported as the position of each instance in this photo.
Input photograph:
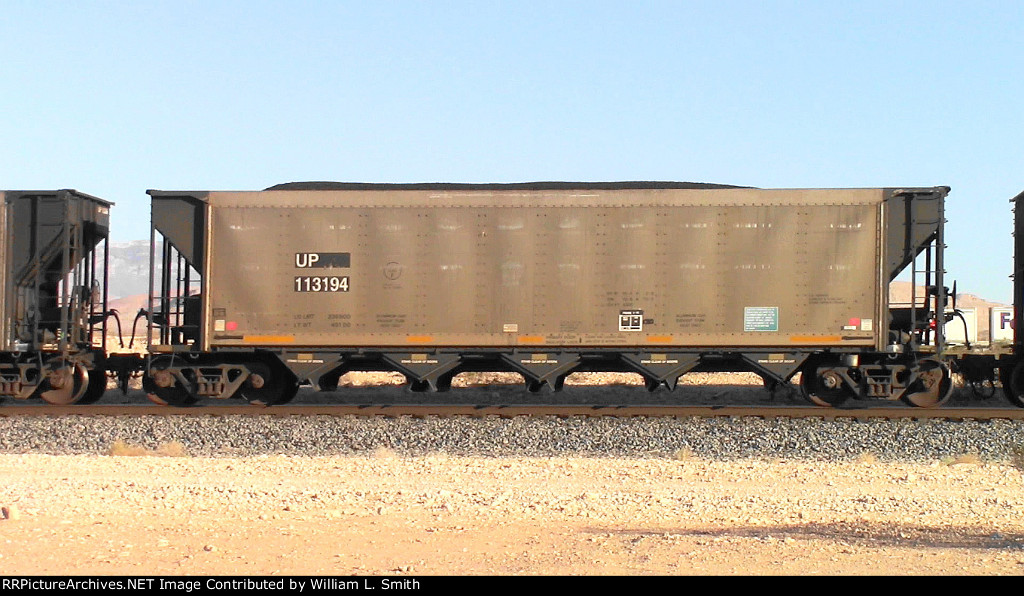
(114, 98)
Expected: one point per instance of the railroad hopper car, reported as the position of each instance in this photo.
(254, 293)
(53, 300)
(980, 367)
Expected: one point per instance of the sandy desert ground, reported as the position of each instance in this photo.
(385, 514)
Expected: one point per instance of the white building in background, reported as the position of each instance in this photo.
(955, 327)
(1000, 327)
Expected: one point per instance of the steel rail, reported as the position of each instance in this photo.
(510, 411)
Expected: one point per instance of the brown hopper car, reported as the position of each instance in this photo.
(256, 292)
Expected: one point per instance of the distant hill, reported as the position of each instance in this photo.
(899, 293)
(129, 268)
(129, 304)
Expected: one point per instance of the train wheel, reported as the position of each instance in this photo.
(265, 387)
(289, 393)
(164, 388)
(933, 387)
(64, 384)
(826, 389)
(1013, 384)
(97, 387)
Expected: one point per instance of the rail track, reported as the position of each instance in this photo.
(508, 411)
(507, 400)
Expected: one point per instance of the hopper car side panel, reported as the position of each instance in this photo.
(686, 269)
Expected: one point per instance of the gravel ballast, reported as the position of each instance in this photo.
(714, 438)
